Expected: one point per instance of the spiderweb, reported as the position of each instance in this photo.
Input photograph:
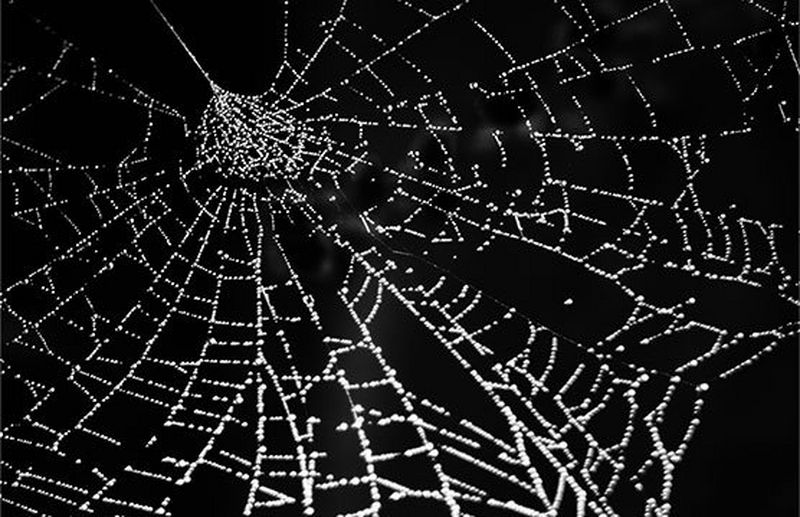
(433, 268)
